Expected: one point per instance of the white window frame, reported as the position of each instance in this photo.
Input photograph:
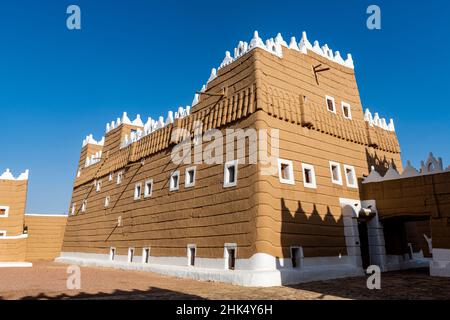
(187, 184)
(148, 192)
(189, 247)
(111, 177)
(138, 195)
(171, 186)
(334, 104)
(6, 215)
(290, 165)
(98, 186)
(313, 184)
(73, 209)
(355, 180)
(107, 201)
(144, 255)
(84, 206)
(226, 177)
(131, 255)
(119, 177)
(2, 233)
(112, 253)
(338, 165)
(345, 104)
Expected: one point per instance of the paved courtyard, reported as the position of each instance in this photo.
(48, 281)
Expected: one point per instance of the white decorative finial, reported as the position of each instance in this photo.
(125, 119)
(293, 45)
(227, 60)
(349, 62)
(196, 99)
(279, 40)
(305, 45)
(138, 122)
(256, 41)
(213, 75)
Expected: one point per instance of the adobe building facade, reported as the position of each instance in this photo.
(25, 238)
(132, 207)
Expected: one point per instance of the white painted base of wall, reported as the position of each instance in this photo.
(440, 266)
(15, 264)
(398, 262)
(261, 270)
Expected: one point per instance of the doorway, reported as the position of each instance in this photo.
(364, 243)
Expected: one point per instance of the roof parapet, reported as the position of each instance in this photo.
(7, 175)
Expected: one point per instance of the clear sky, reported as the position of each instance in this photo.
(148, 57)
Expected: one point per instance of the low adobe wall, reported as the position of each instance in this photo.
(45, 236)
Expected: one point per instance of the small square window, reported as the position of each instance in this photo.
(350, 176)
(190, 177)
(346, 110)
(331, 106)
(137, 191)
(99, 186)
(174, 181)
(148, 189)
(335, 171)
(230, 174)
(309, 177)
(286, 171)
(119, 177)
(84, 206)
(107, 201)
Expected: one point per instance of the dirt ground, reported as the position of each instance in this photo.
(48, 281)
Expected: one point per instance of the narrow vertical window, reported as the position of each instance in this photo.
(190, 177)
(350, 176)
(309, 177)
(230, 174)
(285, 171)
(174, 183)
(137, 191)
(107, 200)
(191, 254)
(346, 110)
(130, 254)
(335, 171)
(148, 189)
(112, 254)
(331, 106)
(145, 255)
(84, 206)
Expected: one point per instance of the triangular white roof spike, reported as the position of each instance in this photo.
(391, 174)
(227, 60)
(138, 122)
(409, 171)
(279, 40)
(213, 75)
(293, 45)
(349, 62)
(125, 119)
(391, 125)
(338, 58)
(374, 176)
(256, 41)
(169, 117)
(196, 99)
(7, 175)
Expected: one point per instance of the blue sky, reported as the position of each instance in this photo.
(147, 57)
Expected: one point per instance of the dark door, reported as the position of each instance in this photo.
(364, 243)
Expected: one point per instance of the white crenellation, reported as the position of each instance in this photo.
(376, 121)
(90, 140)
(431, 166)
(7, 175)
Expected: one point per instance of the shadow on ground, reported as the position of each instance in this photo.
(414, 284)
(151, 293)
